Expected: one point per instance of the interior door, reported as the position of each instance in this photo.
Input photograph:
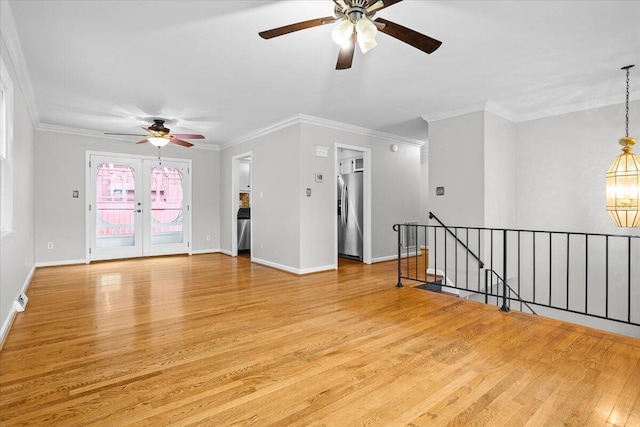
(116, 208)
(139, 207)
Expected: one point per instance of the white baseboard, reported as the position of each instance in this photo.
(226, 252)
(293, 270)
(392, 257)
(206, 251)
(6, 325)
(317, 269)
(57, 263)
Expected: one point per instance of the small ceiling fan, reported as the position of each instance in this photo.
(357, 25)
(159, 135)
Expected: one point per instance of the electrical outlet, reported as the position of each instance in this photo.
(208, 237)
(50, 245)
(261, 246)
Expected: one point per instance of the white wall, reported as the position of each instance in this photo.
(275, 198)
(298, 231)
(561, 163)
(456, 162)
(16, 251)
(499, 172)
(60, 168)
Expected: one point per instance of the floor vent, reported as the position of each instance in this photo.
(21, 302)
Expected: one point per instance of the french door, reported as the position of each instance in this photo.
(138, 207)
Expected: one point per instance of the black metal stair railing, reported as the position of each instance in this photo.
(592, 274)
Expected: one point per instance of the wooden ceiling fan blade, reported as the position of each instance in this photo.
(181, 142)
(187, 135)
(143, 141)
(409, 36)
(345, 57)
(280, 31)
(375, 5)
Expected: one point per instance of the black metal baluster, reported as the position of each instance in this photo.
(455, 258)
(534, 266)
(480, 265)
(466, 286)
(445, 258)
(505, 305)
(629, 281)
(550, 266)
(519, 271)
(606, 276)
(586, 273)
(568, 265)
(491, 260)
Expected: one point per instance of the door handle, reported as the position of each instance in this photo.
(346, 205)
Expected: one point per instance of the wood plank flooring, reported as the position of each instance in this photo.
(215, 340)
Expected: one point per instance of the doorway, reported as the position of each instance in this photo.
(353, 197)
(241, 197)
(137, 207)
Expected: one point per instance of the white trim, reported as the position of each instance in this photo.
(317, 269)
(514, 117)
(206, 251)
(276, 265)
(235, 203)
(6, 167)
(306, 119)
(6, 325)
(394, 257)
(366, 200)
(58, 263)
(12, 41)
(293, 270)
(226, 252)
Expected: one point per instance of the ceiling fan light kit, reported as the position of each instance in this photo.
(158, 141)
(358, 26)
(623, 179)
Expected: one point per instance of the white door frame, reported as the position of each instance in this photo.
(235, 203)
(366, 200)
(89, 191)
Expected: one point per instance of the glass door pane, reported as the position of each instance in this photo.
(167, 203)
(115, 205)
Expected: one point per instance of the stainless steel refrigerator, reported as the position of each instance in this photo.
(350, 217)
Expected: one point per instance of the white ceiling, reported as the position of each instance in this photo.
(97, 66)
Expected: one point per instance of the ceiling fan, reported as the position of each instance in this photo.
(357, 25)
(159, 135)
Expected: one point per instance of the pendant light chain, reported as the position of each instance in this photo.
(626, 128)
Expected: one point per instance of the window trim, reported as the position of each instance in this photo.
(6, 152)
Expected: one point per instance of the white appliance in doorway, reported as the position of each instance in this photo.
(137, 207)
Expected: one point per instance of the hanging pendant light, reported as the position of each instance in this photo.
(623, 179)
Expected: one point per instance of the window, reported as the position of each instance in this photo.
(6, 151)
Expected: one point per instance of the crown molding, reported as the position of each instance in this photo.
(96, 134)
(312, 120)
(14, 48)
(512, 116)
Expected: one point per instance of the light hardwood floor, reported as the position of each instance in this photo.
(215, 340)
